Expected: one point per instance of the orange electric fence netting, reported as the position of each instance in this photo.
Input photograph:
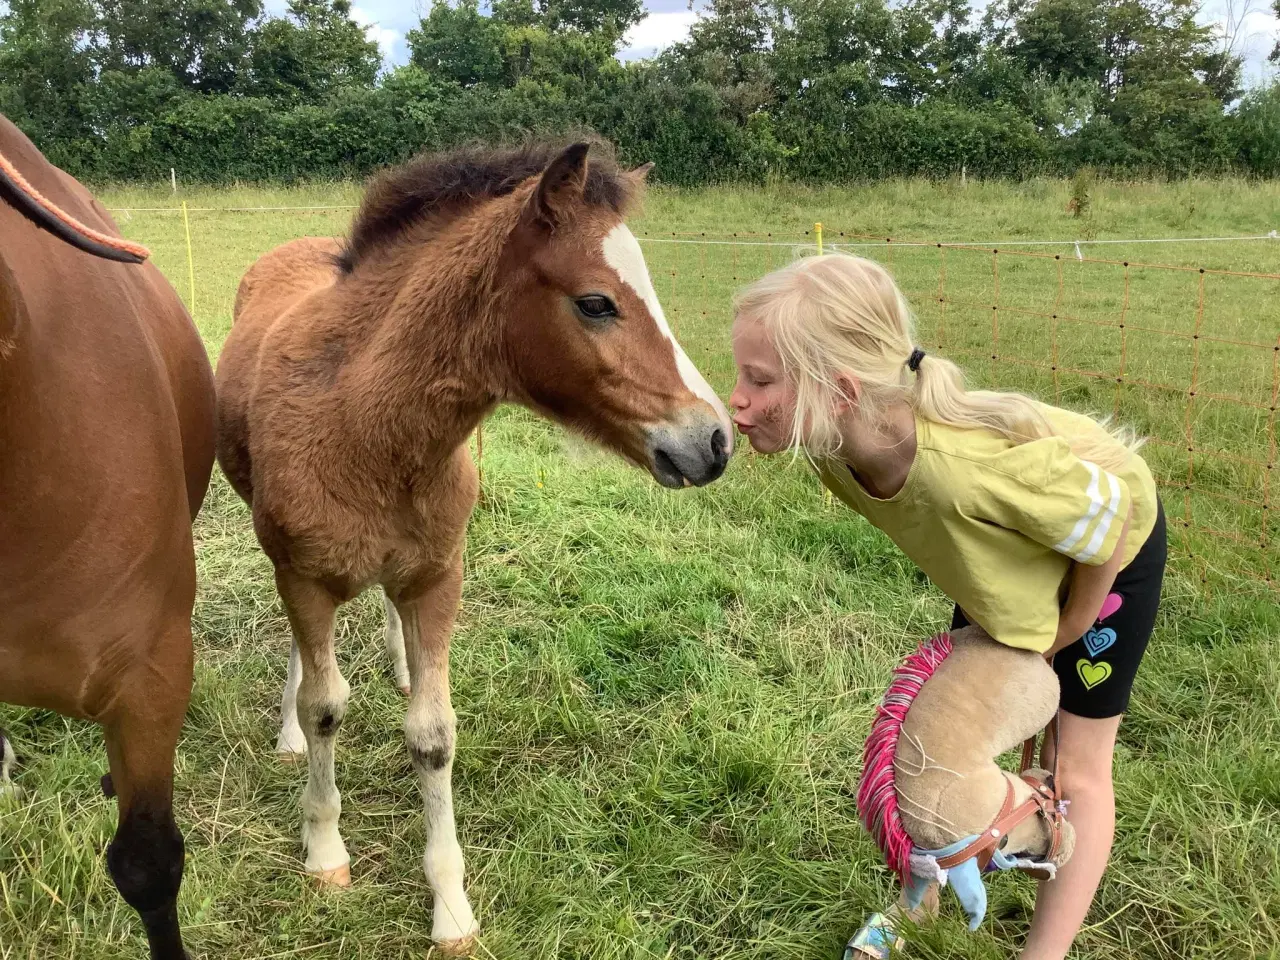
(1186, 354)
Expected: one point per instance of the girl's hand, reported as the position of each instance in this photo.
(1088, 591)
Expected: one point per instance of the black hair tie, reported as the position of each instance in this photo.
(913, 361)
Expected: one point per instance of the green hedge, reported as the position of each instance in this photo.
(679, 123)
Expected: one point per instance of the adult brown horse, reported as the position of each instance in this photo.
(106, 445)
(352, 379)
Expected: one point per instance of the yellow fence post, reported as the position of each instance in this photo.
(191, 263)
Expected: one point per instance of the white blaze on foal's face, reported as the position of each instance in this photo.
(622, 253)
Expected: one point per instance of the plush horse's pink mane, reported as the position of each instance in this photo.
(877, 792)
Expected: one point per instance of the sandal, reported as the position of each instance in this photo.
(876, 939)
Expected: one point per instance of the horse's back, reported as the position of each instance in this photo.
(274, 285)
(280, 277)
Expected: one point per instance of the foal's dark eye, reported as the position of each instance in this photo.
(596, 308)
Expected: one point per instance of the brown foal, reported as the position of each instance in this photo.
(350, 383)
(106, 445)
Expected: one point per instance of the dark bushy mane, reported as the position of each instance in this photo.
(449, 182)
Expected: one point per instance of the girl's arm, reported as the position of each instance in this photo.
(1089, 588)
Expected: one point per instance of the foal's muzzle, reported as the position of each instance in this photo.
(690, 452)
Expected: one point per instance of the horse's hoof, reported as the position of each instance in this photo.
(290, 757)
(337, 877)
(461, 947)
(404, 688)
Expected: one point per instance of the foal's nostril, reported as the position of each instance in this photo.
(719, 445)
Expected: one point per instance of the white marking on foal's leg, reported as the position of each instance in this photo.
(429, 731)
(6, 764)
(430, 735)
(395, 645)
(291, 743)
(322, 703)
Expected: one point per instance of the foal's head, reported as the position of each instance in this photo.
(588, 341)
(580, 331)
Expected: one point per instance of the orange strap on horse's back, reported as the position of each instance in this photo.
(66, 227)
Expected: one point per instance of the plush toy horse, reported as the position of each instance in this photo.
(931, 793)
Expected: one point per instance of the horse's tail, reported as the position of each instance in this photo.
(877, 787)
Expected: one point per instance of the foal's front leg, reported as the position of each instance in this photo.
(321, 704)
(427, 620)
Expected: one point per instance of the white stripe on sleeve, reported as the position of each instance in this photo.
(1068, 545)
(1104, 522)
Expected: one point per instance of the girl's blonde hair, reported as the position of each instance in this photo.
(834, 317)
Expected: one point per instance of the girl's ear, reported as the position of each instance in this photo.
(850, 393)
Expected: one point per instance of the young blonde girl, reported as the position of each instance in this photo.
(1043, 526)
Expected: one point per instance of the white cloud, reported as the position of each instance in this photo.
(1255, 29)
(384, 37)
(655, 33)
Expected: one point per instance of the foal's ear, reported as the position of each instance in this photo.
(641, 173)
(561, 185)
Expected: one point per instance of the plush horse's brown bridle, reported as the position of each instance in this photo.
(1043, 801)
(45, 213)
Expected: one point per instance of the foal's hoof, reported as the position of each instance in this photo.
(337, 877)
(404, 688)
(290, 758)
(461, 947)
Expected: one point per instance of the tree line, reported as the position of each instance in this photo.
(808, 90)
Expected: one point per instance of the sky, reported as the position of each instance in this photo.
(387, 22)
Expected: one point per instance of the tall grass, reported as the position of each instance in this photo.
(662, 697)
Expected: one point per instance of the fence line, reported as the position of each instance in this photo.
(1190, 354)
(1008, 242)
(320, 206)
(993, 247)
(982, 244)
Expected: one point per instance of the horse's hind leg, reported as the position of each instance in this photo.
(6, 764)
(321, 704)
(395, 645)
(145, 857)
(291, 743)
(429, 733)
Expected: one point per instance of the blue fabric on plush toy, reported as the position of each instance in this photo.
(965, 878)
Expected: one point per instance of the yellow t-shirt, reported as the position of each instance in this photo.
(996, 525)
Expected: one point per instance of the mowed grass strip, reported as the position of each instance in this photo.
(662, 697)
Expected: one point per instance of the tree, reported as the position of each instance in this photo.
(311, 54)
(47, 70)
(458, 43)
(1275, 54)
(1067, 39)
(204, 44)
(584, 16)
(1113, 42)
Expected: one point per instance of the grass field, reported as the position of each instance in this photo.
(662, 697)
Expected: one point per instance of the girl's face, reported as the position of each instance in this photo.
(763, 401)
